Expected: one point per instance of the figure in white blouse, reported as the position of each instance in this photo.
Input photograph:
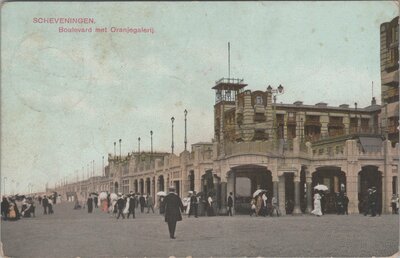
(317, 205)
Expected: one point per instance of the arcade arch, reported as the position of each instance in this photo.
(246, 179)
(368, 177)
(335, 179)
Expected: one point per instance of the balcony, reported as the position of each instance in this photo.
(390, 79)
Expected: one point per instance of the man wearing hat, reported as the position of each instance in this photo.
(371, 202)
(120, 206)
(173, 207)
(132, 203)
(194, 204)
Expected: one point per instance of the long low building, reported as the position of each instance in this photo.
(286, 149)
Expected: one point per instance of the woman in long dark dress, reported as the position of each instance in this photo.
(162, 208)
(5, 205)
(89, 204)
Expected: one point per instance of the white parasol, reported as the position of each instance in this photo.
(113, 196)
(161, 193)
(258, 191)
(321, 187)
(103, 196)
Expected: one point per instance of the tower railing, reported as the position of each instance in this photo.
(230, 80)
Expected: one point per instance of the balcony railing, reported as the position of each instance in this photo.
(229, 80)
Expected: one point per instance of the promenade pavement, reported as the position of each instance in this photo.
(75, 233)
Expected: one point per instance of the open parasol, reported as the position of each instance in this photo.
(161, 193)
(258, 191)
(321, 187)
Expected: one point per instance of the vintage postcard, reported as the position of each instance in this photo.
(200, 129)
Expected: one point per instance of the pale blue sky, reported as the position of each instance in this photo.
(66, 97)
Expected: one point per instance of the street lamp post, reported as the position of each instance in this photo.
(120, 154)
(151, 142)
(115, 151)
(172, 144)
(275, 92)
(185, 112)
(138, 144)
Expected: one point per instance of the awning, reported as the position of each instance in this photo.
(370, 144)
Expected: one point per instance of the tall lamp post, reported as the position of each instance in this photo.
(172, 126)
(138, 144)
(185, 112)
(275, 92)
(115, 151)
(120, 154)
(151, 142)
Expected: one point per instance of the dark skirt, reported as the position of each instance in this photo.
(210, 211)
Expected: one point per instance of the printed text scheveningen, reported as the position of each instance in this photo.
(82, 20)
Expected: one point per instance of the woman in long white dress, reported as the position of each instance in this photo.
(317, 205)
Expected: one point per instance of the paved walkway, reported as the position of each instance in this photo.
(75, 233)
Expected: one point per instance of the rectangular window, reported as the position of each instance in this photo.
(259, 117)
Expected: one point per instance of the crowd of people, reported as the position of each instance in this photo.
(260, 206)
(15, 207)
(123, 205)
(195, 204)
(119, 205)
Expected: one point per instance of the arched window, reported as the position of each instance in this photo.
(259, 100)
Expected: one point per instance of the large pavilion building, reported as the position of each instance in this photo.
(286, 149)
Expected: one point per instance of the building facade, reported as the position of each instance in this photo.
(286, 149)
(390, 77)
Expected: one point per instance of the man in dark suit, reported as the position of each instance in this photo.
(90, 204)
(373, 201)
(95, 201)
(120, 206)
(45, 203)
(132, 203)
(230, 203)
(193, 204)
(173, 207)
(142, 202)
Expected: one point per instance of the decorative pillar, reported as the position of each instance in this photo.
(281, 194)
(197, 181)
(324, 125)
(386, 178)
(297, 209)
(352, 191)
(309, 194)
(166, 184)
(224, 197)
(285, 117)
(275, 189)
